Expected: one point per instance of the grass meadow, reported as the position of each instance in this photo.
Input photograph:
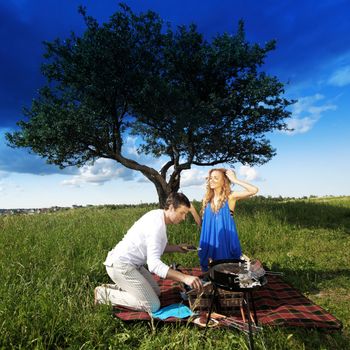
(51, 263)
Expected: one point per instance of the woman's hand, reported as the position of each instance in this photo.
(195, 215)
(231, 175)
(249, 190)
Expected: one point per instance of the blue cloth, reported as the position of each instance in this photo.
(173, 310)
(219, 238)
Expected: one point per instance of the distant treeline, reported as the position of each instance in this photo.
(256, 199)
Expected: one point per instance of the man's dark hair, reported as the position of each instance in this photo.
(176, 199)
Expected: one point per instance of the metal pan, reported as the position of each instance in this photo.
(235, 275)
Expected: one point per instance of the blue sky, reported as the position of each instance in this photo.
(312, 57)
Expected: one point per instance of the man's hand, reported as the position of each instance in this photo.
(188, 248)
(179, 248)
(193, 281)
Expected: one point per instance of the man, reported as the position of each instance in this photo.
(144, 243)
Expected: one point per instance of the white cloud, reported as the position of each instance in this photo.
(20, 161)
(8, 187)
(102, 171)
(249, 173)
(305, 113)
(3, 174)
(189, 177)
(340, 77)
(193, 177)
(131, 147)
(301, 125)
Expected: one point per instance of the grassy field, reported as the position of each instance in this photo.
(51, 263)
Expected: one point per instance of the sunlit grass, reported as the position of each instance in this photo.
(51, 263)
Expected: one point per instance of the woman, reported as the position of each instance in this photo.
(219, 238)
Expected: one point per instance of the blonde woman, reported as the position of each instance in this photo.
(219, 238)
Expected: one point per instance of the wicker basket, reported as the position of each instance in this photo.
(201, 301)
(226, 302)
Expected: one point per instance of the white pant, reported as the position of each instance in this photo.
(134, 288)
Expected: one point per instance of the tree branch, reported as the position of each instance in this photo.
(148, 172)
(165, 168)
(214, 162)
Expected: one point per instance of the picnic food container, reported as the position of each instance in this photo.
(227, 302)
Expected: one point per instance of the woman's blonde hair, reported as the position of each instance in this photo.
(224, 193)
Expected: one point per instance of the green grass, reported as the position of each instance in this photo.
(51, 263)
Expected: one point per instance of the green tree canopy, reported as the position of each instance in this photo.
(193, 101)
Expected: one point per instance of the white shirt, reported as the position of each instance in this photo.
(144, 243)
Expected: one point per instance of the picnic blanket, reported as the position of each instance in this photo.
(277, 304)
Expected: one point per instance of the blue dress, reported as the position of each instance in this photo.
(219, 238)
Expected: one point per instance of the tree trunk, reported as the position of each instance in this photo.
(158, 179)
(162, 196)
(164, 193)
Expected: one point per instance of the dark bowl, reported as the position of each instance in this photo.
(224, 274)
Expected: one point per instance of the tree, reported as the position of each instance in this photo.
(193, 101)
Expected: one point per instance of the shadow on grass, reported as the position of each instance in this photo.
(313, 280)
(307, 339)
(305, 214)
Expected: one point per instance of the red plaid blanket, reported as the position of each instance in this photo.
(277, 304)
